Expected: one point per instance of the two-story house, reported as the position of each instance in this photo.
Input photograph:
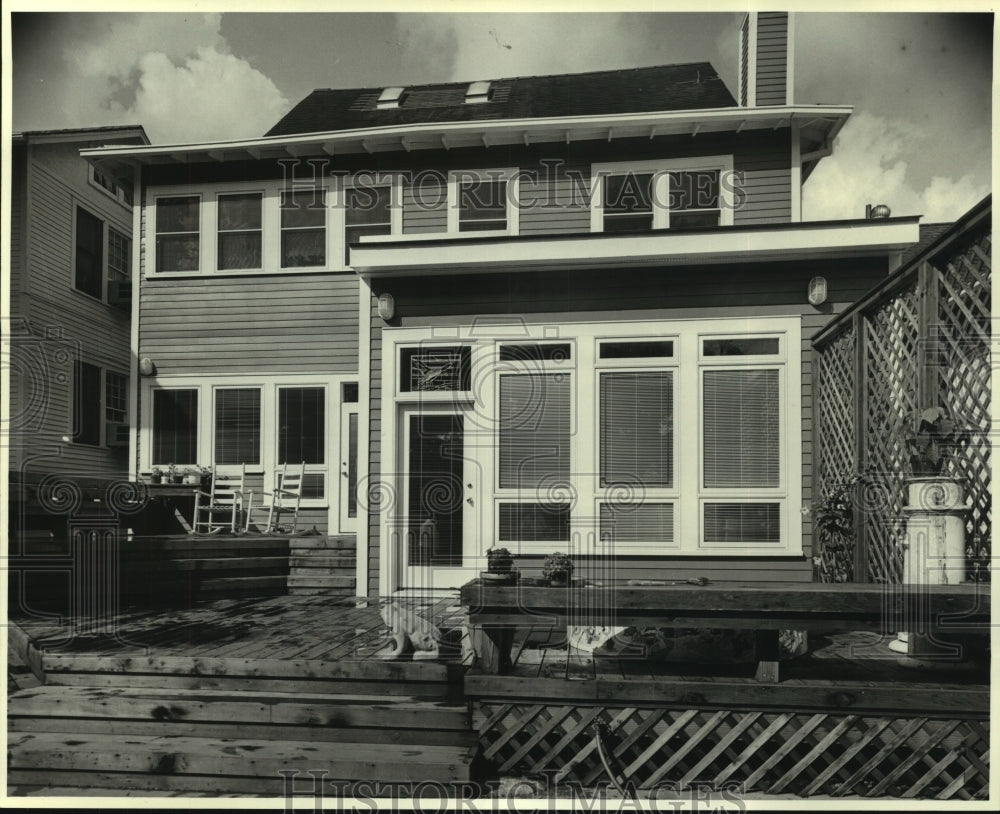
(546, 313)
(69, 333)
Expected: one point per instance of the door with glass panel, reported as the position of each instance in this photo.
(439, 497)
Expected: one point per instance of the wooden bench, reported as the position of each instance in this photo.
(497, 612)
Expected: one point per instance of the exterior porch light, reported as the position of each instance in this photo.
(817, 290)
(386, 307)
(146, 366)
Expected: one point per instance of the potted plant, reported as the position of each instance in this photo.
(174, 475)
(193, 475)
(557, 569)
(933, 441)
(500, 566)
(156, 475)
(206, 476)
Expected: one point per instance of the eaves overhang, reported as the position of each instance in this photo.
(383, 257)
(819, 123)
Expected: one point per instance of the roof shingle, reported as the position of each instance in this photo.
(690, 86)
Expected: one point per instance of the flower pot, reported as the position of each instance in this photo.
(156, 478)
(193, 479)
(177, 479)
(559, 580)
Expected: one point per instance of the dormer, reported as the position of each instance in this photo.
(478, 92)
(390, 98)
(765, 59)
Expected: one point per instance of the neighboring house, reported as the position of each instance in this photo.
(70, 308)
(547, 313)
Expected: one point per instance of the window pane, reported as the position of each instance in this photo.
(696, 189)
(87, 404)
(628, 193)
(177, 253)
(367, 206)
(115, 396)
(237, 426)
(239, 211)
(483, 201)
(741, 346)
(686, 220)
(534, 430)
(301, 421)
(742, 522)
(175, 427)
(303, 208)
(239, 250)
(313, 485)
(741, 428)
(440, 368)
(531, 522)
(352, 465)
(303, 247)
(637, 428)
(179, 214)
(636, 350)
(89, 253)
(119, 256)
(628, 223)
(630, 523)
(536, 353)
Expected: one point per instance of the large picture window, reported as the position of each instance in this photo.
(175, 427)
(237, 425)
(302, 434)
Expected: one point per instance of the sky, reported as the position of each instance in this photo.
(920, 83)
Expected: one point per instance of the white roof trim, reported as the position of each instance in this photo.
(402, 257)
(499, 131)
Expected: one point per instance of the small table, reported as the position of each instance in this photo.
(169, 496)
(496, 612)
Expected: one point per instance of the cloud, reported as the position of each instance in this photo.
(867, 167)
(174, 74)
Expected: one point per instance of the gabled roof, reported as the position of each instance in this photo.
(113, 134)
(692, 86)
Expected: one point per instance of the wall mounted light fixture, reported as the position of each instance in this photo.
(386, 307)
(146, 366)
(817, 290)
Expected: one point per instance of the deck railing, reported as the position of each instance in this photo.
(920, 339)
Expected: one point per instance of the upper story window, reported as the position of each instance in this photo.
(240, 231)
(483, 201)
(668, 194)
(103, 259)
(368, 212)
(178, 235)
(108, 184)
(303, 228)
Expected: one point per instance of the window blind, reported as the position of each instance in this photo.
(175, 427)
(237, 426)
(629, 523)
(741, 429)
(637, 428)
(301, 431)
(534, 429)
(534, 522)
(742, 522)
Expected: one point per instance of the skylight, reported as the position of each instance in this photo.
(478, 92)
(390, 97)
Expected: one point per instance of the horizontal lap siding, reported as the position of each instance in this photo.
(772, 58)
(624, 296)
(556, 203)
(74, 325)
(425, 209)
(267, 324)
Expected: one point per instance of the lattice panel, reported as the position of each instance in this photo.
(961, 340)
(836, 401)
(771, 752)
(892, 334)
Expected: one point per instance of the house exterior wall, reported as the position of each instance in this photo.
(624, 296)
(772, 58)
(65, 323)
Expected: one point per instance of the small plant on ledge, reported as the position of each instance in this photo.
(156, 475)
(499, 561)
(936, 441)
(557, 569)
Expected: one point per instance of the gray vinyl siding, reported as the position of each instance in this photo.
(772, 58)
(425, 206)
(250, 324)
(70, 325)
(665, 294)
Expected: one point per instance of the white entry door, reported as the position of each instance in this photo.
(439, 493)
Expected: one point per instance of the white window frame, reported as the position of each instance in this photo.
(509, 174)
(389, 180)
(586, 366)
(106, 228)
(661, 192)
(269, 386)
(270, 228)
(103, 419)
(120, 193)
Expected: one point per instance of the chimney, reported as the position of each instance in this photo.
(765, 66)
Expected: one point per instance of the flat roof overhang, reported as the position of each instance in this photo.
(394, 257)
(818, 124)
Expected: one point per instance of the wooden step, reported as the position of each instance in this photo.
(315, 561)
(195, 545)
(339, 593)
(320, 581)
(273, 563)
(167, 755)
(195, 708)
(304, 545)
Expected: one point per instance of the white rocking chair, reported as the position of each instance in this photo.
(285, 499)
(222, 506)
